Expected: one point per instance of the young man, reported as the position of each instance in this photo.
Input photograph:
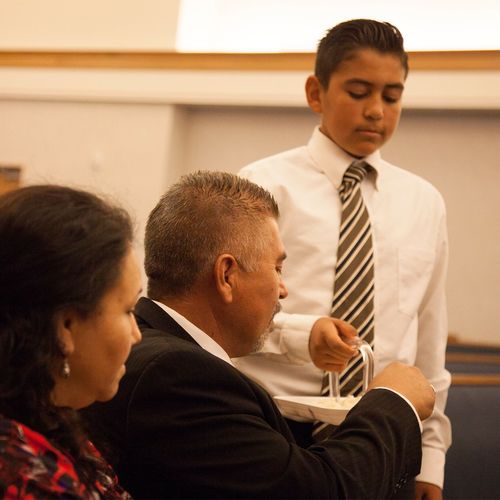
(186, 423)
(361, 67)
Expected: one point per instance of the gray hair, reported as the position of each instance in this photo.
(200, 217)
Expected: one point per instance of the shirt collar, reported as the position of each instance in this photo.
(198, 335)
(334, 161)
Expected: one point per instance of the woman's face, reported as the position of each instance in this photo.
(101, 342)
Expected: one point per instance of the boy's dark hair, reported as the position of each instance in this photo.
(345, 38)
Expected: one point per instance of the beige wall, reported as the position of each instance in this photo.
(458, 151)
(119, 150)
(133, 151)
(89, 24)
(131, 133)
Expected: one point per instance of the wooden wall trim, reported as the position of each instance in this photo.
(467, 357)
(474, 379)
(301, 61)
(454, 341)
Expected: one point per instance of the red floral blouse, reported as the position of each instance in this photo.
(31, 468)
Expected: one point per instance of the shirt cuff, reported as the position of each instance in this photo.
(411, 405)
(295, 333)
(432, 469)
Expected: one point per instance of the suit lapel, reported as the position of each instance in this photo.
(150, 316)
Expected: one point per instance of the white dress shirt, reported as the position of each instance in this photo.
(205, 341)
(408, 221)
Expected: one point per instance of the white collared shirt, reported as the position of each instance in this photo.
(410, 250)
(198, 335)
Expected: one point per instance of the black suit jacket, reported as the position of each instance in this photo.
(186, 424)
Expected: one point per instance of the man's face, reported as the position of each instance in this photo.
(259, 292)
(361, 107)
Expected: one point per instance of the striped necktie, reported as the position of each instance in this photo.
(354, 277)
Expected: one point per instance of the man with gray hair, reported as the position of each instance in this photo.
(186, 423)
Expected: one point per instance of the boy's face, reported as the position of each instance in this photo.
(361, 107)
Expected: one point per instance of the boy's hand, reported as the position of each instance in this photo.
(329, 344)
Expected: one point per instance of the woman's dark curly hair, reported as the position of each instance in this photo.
(59, 247)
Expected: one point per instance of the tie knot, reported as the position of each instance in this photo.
(355, 173)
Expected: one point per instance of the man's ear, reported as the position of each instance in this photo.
(65, 322)
(313, 94)
(226, 271)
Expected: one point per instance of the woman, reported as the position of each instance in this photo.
(69, 280)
